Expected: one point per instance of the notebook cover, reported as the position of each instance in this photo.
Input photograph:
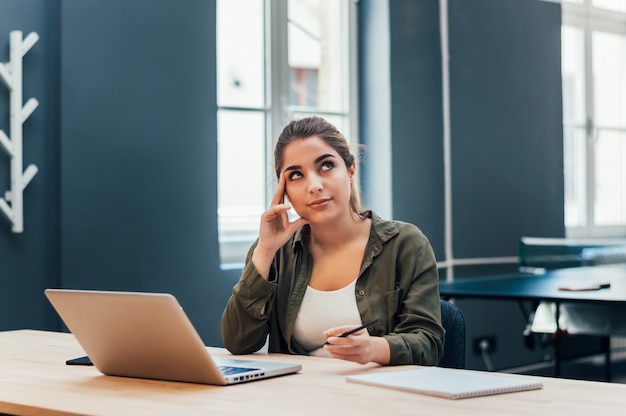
(447, 382)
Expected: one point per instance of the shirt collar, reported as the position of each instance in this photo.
(383, 229)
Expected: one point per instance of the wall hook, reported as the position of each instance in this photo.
(11, 74)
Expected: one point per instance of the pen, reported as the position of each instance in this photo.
(352, 331)
(592, 286)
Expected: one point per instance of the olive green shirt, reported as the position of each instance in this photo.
(398, 283)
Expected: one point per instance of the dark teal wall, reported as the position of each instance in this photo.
(125, 139)
(507, 133)
(400, 66)
(417, 117)
(29, 261)
(139, 152)
(506, 121)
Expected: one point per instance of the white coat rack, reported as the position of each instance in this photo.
(11, 74)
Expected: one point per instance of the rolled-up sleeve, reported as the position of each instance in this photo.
(245, 321)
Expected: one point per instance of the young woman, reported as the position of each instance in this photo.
(307, 281)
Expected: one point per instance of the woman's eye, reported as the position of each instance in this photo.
(294, 175)
(327, 166)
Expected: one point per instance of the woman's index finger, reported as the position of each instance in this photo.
(279, 195)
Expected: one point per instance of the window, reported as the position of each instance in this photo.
(594, 117)
(276, 60)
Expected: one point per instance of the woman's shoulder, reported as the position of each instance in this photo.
(399, 227)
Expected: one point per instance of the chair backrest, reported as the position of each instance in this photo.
(453, 322)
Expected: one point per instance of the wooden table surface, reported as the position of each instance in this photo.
(34, 380)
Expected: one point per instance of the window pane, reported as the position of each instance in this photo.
(309, 68)
(575, 174)
(594, 116)
(573, 69)
(317, 54)
(615, 5)
(610, 208)
(242, 183)
(240, 53)
(609, 76)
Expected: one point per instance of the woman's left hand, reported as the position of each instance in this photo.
(359, 347)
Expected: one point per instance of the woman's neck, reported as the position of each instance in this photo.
(332, 236)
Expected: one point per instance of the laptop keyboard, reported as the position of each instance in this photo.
(229, 371)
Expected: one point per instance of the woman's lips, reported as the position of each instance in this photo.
(319, 203)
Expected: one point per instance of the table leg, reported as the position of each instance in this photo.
(557, 342)
(606, 343)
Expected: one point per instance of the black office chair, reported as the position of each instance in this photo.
(453, 322)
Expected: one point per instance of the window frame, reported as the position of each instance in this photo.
(278, 112)
(588, 18)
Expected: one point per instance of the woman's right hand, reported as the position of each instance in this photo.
(275, 230)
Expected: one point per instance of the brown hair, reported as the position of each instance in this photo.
(317, 126)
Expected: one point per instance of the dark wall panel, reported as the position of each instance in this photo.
(506, 116)
(417, 117)
(139, 152)
(29, 260)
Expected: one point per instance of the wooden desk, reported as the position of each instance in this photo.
(34, 380)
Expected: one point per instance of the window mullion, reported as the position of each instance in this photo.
(353, 73)
(279, 84)
(591, 128)
(278, 78)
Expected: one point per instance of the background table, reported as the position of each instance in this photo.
(545, 286)
(603, 310)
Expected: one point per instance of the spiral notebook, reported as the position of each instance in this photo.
(447, 382)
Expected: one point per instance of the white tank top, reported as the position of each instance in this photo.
(321, 310)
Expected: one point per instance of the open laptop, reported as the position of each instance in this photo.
(148, 335)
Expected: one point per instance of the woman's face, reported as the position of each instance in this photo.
(317, 182)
